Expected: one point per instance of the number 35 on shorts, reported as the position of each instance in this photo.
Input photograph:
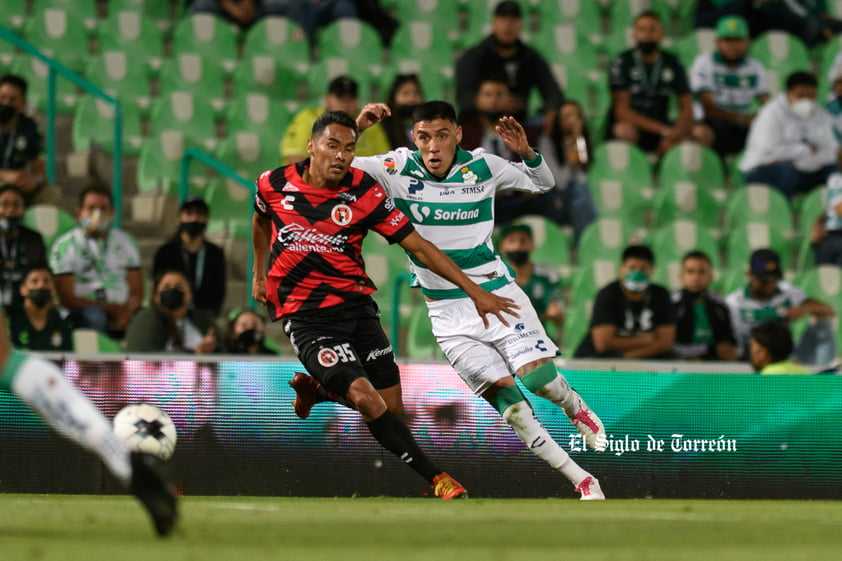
(331, 356)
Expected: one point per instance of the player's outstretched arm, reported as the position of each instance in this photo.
(435, 260)
(371, 114)
(261, 236)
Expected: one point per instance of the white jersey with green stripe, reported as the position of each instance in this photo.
(456, 213)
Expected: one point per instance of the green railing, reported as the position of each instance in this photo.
(183, 185)
(55, 68)
(394, 328)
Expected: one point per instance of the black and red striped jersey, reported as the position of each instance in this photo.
(317, 234)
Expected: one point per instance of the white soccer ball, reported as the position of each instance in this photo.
(146, 428)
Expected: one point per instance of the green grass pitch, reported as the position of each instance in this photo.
(71, 527)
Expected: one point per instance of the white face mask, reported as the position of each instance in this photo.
(803, 107)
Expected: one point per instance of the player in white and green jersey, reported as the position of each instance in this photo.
(42, 386)
(726, 83)
(448, 194)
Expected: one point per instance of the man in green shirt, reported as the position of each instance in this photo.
(771, 346)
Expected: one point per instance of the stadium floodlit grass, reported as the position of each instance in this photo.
(71, 527)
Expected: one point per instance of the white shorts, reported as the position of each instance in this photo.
(483, 355)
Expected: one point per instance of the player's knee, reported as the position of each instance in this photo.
(363, 397)
(504, 399)
(536, 379)
(530, 366)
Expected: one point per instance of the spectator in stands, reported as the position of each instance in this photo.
(703, 328)
(21, 146)
(97, 267)
(791, 145)
(202, 262)
(21, 248)
(834, 106)
(768, 298)
(241, 12)
(542, 284)
(342, 95)
(770, 347)
(806, 19)
(311, 14)
(171, 324)
(631, 318)
(37, 325)
(479, 124)
(726, 82)
(827, 232)
(405, 95)
(503, 53)
(246, 334)
(643, 79)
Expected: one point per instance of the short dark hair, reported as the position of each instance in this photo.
(159, 276)
(37, 267)
(10, 187)
(95, 189)
(696, 254)
(333, 118)
(801, 78)
(639, 252)
(16, 81)
(775, 337)
(432, 110)
(649, 14)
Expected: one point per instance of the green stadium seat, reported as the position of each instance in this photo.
(603, 239)
(618, 199)
(425, 42)
(59, 34)
(84, 11)
(693, 162)
(586, 16)
(329, 68)
(231, 208)
(385, 263)
(682, 12)
(478, 15)
(187, 113)
(759, 203)
(577, 322)
(129, 31)
(208, 35)
(48, 220)
(281, 38)
(91, 341)
(673, 240)
(93, 124)
(729, 281)
(259, 113)
(780, 53)
(684, 200)
(36, 74)
(248, 154)
(745, 238)
(350, 38)
(265, 74)
(421, 344)
(812, 206)
(159, 164)
(118, 75)
(444, 14)
(192, 73)
(688, 47)
(8, 52)
(552, 244)
(620, 161)
(667, 273)
(160, 13)
(567, 45)
(13, 15)
(436, 80)
(588, 279)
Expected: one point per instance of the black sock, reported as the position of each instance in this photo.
(395, 437)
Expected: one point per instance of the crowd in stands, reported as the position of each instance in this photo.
(691, 86)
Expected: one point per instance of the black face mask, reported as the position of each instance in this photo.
(518, 257)
(647, 47)
(247, 339)
(40, 297)
(405, 111)
(7, 113)
(193, 229)
(171, 298)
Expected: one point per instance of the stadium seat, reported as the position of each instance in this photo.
(36, 74)
(84, 11)
(129, 31)
(781, 53)
(584, 15)
(729, 281)
(248, 154)
(425, 42)
(91, 341)
(329, 68)
(48, 220)
(230, 204)
(281, 38)
(192, 73)
(93, 124)
(257, 112)
(187, 113)
(621, 161)
(693, 162)
(589, 279)
(159, 164)
(684, 200)
(436, 80)
(209, 36)
(478, 15)
(552, 244)
(444, 14)
(682, 13)
(384, 264)
(118, 75)
(699, 41)
(568, 45)
(577, 322)
(745, 238)
(667, 273)
(812, 206)
(673, 240)
(13, 14)
(350, 38)
(604, 239)
(618, 199)
(60, 34)
(266, 74)
(759, 203)
(8, 52)
(420, 342)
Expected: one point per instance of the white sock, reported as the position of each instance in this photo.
(522, 419)
(559, 392)
(43, 387)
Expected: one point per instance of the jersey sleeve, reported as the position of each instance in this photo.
(261, 206)
(63, 255)
(387, 220)
(380, 167)
(701, 76)
(534, 176)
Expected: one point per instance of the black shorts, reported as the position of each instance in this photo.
(339, 344)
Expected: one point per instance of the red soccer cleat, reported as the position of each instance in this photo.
(448, 488)
(306, 389)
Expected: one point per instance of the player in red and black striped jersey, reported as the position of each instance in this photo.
(313, 217)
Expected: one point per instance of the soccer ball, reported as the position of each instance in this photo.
(146, 428)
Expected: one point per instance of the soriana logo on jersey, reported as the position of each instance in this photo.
(342, 215)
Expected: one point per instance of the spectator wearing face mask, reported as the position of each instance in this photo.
(37, 325)
(170, 324)
(97, 267)
(202, 262)
(404, 96)
(20, 248)
(247, 334)
(791, 145)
